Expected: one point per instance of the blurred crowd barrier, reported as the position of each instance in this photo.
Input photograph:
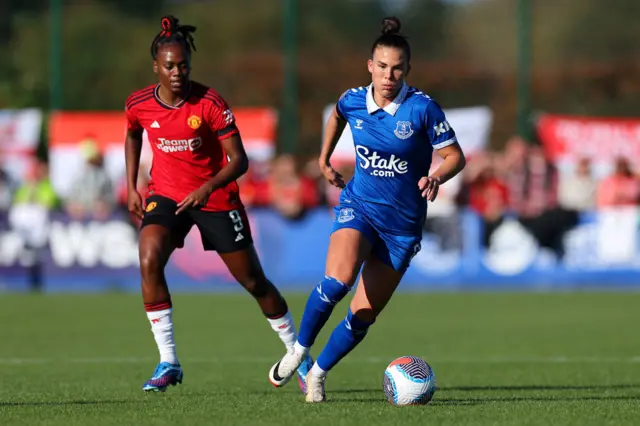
(561, 214)
(101, 255)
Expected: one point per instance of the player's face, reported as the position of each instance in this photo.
(173, 67)
(388, 68)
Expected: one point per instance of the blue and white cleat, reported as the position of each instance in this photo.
(302, 372)
(164, 375)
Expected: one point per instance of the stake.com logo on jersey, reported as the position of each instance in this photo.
(178, 145)
(381, 166)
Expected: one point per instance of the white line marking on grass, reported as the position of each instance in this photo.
(354, 360)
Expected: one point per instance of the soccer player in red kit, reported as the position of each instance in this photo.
(197, 157)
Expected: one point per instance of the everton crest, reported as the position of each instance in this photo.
(346, 215)
(403, 130)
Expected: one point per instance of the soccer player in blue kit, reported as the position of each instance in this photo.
(378, 224)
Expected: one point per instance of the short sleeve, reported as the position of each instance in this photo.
(440, 132)
(221, 119)
(132, 120)
(340, 106)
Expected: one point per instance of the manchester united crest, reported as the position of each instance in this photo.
(194, 122)
(152, 205)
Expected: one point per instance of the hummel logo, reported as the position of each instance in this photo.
(239, 237)
(358, 124)
(155, 320)
(155, 125)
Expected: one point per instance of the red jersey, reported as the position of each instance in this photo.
(185, 140)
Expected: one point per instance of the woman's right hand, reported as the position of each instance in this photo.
(134, 204)
(332, 176)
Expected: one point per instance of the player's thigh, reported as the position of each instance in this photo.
(377, 284)
(229, 234)
(396, 251)
(161, 231)
(224, 232)
(154, 247)
(350, 244)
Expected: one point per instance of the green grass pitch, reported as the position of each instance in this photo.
(499, 358)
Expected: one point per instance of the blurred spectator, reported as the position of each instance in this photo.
(512, 169)
(37, 188)
(533, 193)
(622, 188)
(92, 194)
(442, 215)
(485, 193)
(254, 186)
(577, 191)
(532, 180)
(6, 191)
(29, 217)
(122, 194)
(290, 193)
(312, 171)
(332, 193)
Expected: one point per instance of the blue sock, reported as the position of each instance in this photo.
(319, 306)
(343, 340)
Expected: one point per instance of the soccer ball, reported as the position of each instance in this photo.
(409, 380)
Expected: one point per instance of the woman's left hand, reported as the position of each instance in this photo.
(429, 187)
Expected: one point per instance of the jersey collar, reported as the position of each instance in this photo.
(156, 95)
(393, 107)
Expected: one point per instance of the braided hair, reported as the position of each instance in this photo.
(173, 32)
(391, 37)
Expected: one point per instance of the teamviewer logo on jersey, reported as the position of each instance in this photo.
(178, 145)
(382, 167)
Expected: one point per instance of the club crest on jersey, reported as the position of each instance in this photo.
(416, 249)
(346, 215)
(403, 130)
(152, 205)
(194, 122)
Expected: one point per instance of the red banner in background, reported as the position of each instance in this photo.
(68, 130)
(257, 126)
(569, 138)
(71, 128)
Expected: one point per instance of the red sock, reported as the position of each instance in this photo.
(157, 306)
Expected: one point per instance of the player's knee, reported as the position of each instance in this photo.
(257, 286)
(343, 271)
(150, 263)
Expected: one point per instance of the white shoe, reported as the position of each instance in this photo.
(315, 388)
(283, 370)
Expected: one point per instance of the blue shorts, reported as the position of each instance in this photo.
(394, 250)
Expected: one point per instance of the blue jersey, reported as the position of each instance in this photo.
(394, 147)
